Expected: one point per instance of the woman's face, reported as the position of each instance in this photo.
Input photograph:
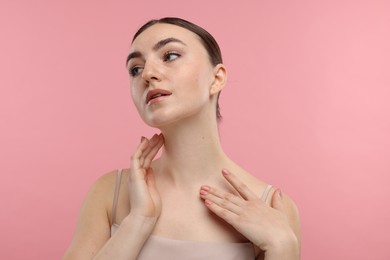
(171, 75)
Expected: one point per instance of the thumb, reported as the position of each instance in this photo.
(277, 200)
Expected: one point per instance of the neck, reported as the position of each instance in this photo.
(192, 152)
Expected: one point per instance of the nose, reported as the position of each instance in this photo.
(150, 72)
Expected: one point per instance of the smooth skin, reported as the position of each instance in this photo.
(243, 212)
(193, 186)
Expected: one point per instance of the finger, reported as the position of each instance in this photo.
(277, 200)
(222, 195)
(153, 152)
(151, 143)
(239, 186)
(221, 202)
(136, 161)
(154, 141)
(223, 213)
(150, 178)
(141, 157)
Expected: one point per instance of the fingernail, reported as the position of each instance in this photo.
(208, 202)
(142, 138)
(225, 172)
(206, 188)
(203, 192)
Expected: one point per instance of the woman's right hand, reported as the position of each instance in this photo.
(145, 202)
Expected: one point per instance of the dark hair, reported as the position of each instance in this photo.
(207, 40)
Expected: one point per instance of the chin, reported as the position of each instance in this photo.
(164, 121)
(159, 122)
(168, 117)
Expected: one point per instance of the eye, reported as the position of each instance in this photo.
(170, 56)
(134, 71)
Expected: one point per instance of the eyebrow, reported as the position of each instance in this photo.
(156, 47)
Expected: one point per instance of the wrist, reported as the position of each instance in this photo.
(139, 224)
(133, 231)
(283, 247)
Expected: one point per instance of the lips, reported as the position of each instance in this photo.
(155, 93)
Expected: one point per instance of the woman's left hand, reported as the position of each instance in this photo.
(265, 226)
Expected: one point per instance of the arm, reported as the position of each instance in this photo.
(128, 240)
(274, 229)
(92, 232)
(92, 238)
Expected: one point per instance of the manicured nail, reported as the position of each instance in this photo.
(204, 187)
(225, 172)
(203, 192)
(142, 138)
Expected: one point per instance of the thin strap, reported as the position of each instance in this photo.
(266, 193)
(116, 195)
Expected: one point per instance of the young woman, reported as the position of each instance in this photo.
(193, 202)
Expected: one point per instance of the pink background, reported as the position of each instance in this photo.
(307, 108)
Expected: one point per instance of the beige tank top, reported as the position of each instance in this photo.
(157, 247)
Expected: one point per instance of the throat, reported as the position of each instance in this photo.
(191, 152)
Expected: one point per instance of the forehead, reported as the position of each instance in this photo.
(161, 31)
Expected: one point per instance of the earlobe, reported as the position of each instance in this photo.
(220, 77)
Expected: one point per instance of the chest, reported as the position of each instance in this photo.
(185, 216)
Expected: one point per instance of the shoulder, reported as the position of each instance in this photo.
(103, 186)
(292, 213)
(100, 195)
(259, 187)
(106, 179)
(103, 189)
(93, 224)
(106, 183)
(255, 184)
(289, 206)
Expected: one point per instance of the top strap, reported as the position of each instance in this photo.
(266, 193)
(116, 196)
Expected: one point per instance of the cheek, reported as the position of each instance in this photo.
(204, 80)
(132, 93)
(136, 95)
(200, 74)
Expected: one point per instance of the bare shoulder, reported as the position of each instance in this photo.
(260, 187)
(93, 224)
(292, 213)
(104, 183)
(102, 191)
(255, 184)
(289, 206)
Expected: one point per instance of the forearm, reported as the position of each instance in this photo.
(128, 239)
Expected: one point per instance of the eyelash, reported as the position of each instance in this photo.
(169, 53)
(133, 71)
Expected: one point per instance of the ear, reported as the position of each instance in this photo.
(220, 77)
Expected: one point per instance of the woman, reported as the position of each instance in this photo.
(193, 202)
